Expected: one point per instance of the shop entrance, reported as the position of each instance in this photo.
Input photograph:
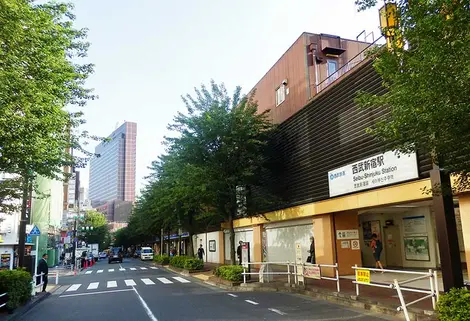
(393, 246)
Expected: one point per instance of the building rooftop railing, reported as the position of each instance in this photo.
(344, 69)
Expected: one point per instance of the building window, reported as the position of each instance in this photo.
(332, 70)
(280, 94)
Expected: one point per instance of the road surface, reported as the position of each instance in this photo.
(138, 291)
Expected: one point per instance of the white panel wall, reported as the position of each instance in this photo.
(211, 257)
(245, 235)
(281, 242)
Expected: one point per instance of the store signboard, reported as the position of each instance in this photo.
(376, 171)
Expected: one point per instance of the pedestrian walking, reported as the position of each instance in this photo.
(43, 268)
(200, 252)
(239, 252)
(311, 258)
(377, 248)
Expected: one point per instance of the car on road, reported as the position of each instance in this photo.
(103, 255)
(137, 253)
(115, 255)
(146, 254)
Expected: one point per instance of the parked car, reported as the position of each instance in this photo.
(115, 255)
(103, 255)
(137, 254)
(146, 253)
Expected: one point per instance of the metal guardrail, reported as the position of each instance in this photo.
(321, 277)
(3, 304)
(265, 265)
(432, 293)
(41, 282)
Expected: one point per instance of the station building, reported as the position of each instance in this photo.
(341, 184)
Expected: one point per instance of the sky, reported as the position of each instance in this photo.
(147, 53)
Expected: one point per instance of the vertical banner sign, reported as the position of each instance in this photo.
(299, 262)
(246, 258)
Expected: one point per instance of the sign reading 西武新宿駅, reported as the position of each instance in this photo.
(372, 172)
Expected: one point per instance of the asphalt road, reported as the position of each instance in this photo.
(136, 291)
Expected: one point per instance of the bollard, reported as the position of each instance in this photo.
(57, 278)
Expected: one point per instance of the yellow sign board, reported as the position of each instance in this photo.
(363, 276)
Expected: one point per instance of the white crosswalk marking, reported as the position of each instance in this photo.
(133, 269)
(148, 281)
(130, 282)
(154, 268)
(112, 284)
(164, 280)
(88, 272)
(74, 287)
(143, 268)
(93, 286)
(180, 279)
(100, 271)
(122, 269)
(111, 270)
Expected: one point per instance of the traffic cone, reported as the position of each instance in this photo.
(86, 264)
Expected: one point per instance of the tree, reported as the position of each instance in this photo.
(428, 82)
(224, 138)
(40, 76)
(100, 231)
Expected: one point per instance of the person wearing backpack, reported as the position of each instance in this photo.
(377, 248)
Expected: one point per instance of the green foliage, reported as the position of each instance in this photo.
(100, 231)
(161, 259)
(178, 261)
(193, 264)
(37, 81)
(230, 272)
(454, 305)
(17, 283)
(428, 83)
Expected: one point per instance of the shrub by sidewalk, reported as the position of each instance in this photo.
(454, 305)
(229, 272)
(17, 284)
(161, 259)
(186, 263)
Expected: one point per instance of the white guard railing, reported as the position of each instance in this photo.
(432, 293)
(41, 280)
(320, 276)
(5, 303)
(265, 265)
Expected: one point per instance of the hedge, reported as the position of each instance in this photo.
(185, 262)
(18, 285)
(161, 259)
(454, 305)
(230, 272)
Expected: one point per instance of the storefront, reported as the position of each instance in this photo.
(241, 234)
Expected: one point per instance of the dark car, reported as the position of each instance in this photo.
(115, 255)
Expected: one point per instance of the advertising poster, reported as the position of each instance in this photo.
(5, 261)
(417, 248)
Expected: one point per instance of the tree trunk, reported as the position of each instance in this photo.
(232, 240)
(191, 244)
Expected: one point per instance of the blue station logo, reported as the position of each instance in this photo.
(337, 175)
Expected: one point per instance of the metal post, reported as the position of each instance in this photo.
(244, 275)
(23, 222)
(288, 273)
(436, 285)
(37, 254)
(57, 278)
(431, 282)
(337, 278)
(402, 301)
(295, 274)
(357, 285)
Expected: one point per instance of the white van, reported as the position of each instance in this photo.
(146, 253)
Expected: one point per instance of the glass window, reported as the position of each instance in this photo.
(280, 95)
(332, 70)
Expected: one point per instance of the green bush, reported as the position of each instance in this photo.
(17, 283)
(454, 305)
(230, 272)
(193, 264)
(161, 259)
(178, 261)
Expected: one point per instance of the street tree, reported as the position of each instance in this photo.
(224, 138)
(100, 231)
(428, 82)
(40, 75)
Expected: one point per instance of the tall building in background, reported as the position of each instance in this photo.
(112, 174)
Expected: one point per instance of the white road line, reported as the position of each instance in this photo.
(164, 280)
(154, 268)
(112, 284)
(88, 272)
(93, 293)
(130, 282)
(111, 270)
(93, 286)
(74, 287)
(133, 269)
(147, 281)
(233, 295)
(251, 302)
(146, 308)
(277, 311)
(180, 279)
(143, 268)
(122, 269)
(100, 271)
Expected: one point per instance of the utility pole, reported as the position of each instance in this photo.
(23, 221)
(77, 203)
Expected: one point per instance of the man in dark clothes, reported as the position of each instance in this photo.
(43, 268)
(311, 258)
(200, 252)
(239, 252)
